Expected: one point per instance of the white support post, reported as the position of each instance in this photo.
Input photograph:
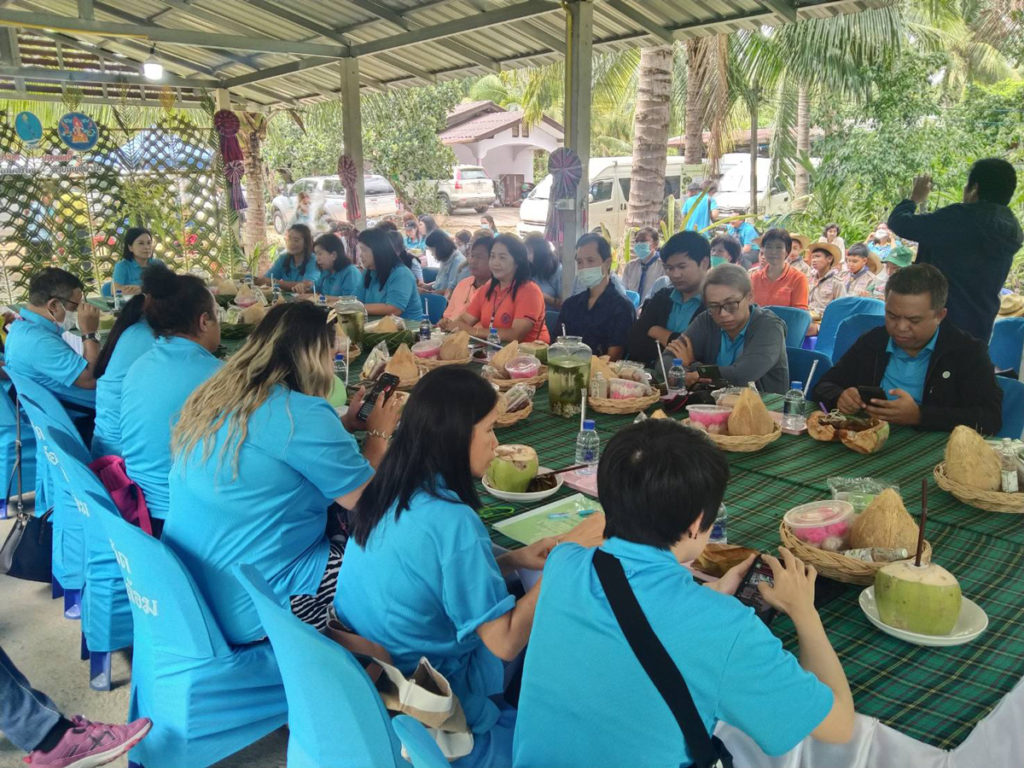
(579, 46)
(222, 98)
(352, 129)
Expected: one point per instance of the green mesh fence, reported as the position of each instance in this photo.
(71, 209)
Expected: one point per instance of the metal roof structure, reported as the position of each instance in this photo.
(271, 53)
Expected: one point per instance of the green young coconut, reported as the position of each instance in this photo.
(923, 599)
(512, 468)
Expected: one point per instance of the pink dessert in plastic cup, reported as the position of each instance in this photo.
(427, 348)
(523, 367)
(710, 418)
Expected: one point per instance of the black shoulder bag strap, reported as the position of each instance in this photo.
(706, 752)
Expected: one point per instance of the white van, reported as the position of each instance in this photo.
(733, 196)
(609, 194)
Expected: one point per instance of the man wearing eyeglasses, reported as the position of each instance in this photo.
(747, 343)
(35, 348)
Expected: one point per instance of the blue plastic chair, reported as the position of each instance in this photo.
(335, 716)
(207, 699)
(1013, 408)
(800, 363)
(851, 329)
(1007, 343)
(429, 274)
(9, 418)
(436, 305)
(106, 611)
(422, 750)
(551, 320)
(107, 289)
(634, 297)
(837, 311)
(797, 322)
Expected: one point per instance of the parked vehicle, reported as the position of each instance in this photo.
(609, 194)
(328, 200)
(469, 187)
(733, 194)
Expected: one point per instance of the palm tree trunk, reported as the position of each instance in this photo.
(650, 136)
(803, 145)
(755, 93)
(254, 130)
(697, 52)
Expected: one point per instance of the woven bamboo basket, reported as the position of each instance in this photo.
(533, 381)
(834, 565)
(508, 419)
(409, 383)
(624, 405)
(430, 363)
(741, 443)
(990, 501)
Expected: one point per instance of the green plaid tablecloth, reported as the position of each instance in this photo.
(936, 695)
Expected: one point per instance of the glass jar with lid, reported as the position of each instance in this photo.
(351, 316)
(568, 375)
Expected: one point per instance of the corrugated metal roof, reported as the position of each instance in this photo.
(270, 52)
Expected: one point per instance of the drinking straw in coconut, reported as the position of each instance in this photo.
(661, 359)
(810, 378)
(924, 517)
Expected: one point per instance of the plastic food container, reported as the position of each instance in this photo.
(824, 524)
(710, 418)
(727, 396)
(427, 348)
(624, 389)
(523, 367)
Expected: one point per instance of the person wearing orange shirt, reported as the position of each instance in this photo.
(778, 284)
(479, 253)
(511, 303)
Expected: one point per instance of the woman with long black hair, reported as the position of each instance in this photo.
(295, 269)
(136, 256)
(389, 286)
(419, 575)
(338, 275)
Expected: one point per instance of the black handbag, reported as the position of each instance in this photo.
(706, 751)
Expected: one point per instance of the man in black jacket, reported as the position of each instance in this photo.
(937, 375)
(972, 243)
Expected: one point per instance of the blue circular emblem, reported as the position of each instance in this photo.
(78, 131)
(29, 129)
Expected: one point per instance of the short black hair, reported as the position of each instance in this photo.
(731, 244)
(656, 478)
(604, 248)
(777, 233)
(51, 283)
(995, 178)
(695, 247)
(917, 279)
(463, 237)
(176, 302)
(858, 249)
(443, 245)
(831, 225)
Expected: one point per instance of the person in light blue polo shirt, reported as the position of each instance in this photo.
(338, 275)
(35, 349)
(137, 255)
(295, 269)
(183, 315)
(661, 485)
(419, 576)
(258, 456)
(701, 209)
(129, 339)
(389, 287)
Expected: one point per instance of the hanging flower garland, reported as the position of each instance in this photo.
(349, 175)
(227, 125)
(566, 172)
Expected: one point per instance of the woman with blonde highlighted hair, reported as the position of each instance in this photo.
(258, 456)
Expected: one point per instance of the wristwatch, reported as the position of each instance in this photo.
(90, 337)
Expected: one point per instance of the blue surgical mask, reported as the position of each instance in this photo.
(590, 276)
(642, 250)
(718, 261)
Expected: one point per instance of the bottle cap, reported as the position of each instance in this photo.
(493, 329)
(677, 361)
(588, 424)
(796, 385)
(339, 356)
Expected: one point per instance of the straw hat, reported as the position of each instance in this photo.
(1011, 305)
(874, 262)
(830, 248)
(800, 239)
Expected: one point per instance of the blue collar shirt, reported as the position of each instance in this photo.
(35, 349)
(730, 349)
(682, 312)
(908, 372)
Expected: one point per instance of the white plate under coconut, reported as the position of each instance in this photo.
(971, 622)
(524, 497)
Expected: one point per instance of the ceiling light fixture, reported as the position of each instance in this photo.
(152, 69)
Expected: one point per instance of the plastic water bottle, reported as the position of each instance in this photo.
(719, 531)
(248, 279)
(588, 447)
(425, 329)
(3, 509)
(793, 419)
(495, 340)
(321, 300)
(676, 383)
(1008, 474)
(339, 365)
(118, 300)
(276, 293)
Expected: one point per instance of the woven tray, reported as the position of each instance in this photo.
(990, 501)
(508, 419)
(430, 363)
(533, 381)
(623, 405)
(834, 565)
(741, 443)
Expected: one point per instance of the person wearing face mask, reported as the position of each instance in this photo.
(646, 267)
(725, 249)
(36, 350)
(601, 315)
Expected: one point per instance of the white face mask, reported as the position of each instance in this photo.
(590, 276)
(70, 321)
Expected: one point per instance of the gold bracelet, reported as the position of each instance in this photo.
(378, 433)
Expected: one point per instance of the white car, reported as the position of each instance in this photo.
(733, 196)
(469, 187)
(327, 196)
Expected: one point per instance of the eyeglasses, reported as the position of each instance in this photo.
(729, 307)
(66, 302)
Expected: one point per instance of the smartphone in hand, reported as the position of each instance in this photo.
(749, 594)
(868, 393)
(385, 385)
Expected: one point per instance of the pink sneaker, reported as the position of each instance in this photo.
(88, 744)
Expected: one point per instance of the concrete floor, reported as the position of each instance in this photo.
(44, 646)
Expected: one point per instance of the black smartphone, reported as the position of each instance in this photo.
(384, 385)
(748, 593)
(709, 372)
(869, 393)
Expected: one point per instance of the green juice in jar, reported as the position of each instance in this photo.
(352, 323)
(567, 381)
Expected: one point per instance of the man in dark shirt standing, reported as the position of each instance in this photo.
(601, 316)
(972, 243)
